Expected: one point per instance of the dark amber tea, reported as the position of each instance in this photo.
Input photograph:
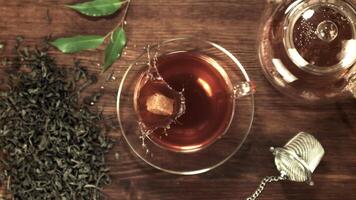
(189, 105)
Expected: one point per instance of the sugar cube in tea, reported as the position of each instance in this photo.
(160, 105)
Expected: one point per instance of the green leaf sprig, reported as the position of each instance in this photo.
(117, 37)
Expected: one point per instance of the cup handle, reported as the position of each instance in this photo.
(244, 89)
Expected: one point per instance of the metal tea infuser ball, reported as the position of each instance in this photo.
(296, 161)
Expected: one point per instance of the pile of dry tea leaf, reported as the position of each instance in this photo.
(53, 146)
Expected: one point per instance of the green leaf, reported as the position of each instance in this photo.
(97, 8)
(114, 50)
(78, 43)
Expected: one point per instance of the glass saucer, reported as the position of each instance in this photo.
(202, 160)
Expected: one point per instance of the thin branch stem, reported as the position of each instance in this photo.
(122, 21)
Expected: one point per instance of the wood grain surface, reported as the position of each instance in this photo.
(233, 24)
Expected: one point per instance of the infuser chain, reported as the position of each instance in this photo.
(261, 187)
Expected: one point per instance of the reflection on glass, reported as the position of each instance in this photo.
(283, 71)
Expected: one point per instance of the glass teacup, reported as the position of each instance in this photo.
(162, 150)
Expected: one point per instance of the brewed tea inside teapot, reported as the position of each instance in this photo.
(307, 48)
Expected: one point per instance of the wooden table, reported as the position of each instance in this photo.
(233, 24)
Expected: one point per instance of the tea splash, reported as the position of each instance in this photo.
(158, 104)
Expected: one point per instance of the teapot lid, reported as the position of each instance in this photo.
(320, 35)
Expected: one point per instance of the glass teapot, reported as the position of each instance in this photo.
(307, 48)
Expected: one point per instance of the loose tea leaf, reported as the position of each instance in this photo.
(78, 43)
(53, 147)
(114, 50)
(98, 8)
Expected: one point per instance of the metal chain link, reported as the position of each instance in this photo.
(261, 187)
